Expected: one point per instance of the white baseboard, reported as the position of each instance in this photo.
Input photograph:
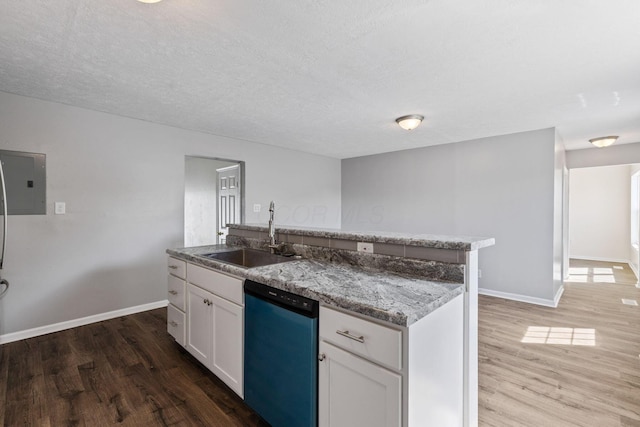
(524, 298)
(595, 258)
(56, 327)
(635, 271)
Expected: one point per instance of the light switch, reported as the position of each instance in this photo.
(60, 208)
(257, 207)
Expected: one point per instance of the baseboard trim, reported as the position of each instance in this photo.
(592, 258)
(57, 327)
(524, 298)
(635, 271)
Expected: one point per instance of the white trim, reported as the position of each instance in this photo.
(595, 258)
(56, 327)
(635, 271)
(524, 298)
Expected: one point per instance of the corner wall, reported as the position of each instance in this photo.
(123, 183)
(500, 187)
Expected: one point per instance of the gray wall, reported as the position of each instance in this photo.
(621, 154)
(123, 183)
(502, 187)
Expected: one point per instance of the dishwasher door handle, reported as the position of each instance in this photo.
(360, 339)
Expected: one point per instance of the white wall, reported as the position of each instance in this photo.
(123, 182)
(560, 221)
(634, 250)
(500, 187)
(599, 213)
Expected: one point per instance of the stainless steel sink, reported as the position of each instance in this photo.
(247, 257)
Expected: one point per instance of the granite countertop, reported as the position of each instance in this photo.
(467, 243)
(381, 295)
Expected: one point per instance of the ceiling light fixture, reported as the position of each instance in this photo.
(604, 141)
(409, 122)
(149, 1)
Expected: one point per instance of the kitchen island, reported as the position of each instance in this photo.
(415, 294)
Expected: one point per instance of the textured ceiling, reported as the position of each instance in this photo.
(331, 77)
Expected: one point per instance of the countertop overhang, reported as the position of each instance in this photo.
(437, 241)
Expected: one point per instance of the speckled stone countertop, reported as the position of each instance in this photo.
(467, 243)
(378, 294)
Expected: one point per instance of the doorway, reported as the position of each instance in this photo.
(603, 215)
(206, 199)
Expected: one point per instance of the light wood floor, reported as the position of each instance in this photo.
(575, 365)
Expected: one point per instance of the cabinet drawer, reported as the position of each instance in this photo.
(224, 286)
(176, 325)
(176, 288)
(177, 267)
(371, 340)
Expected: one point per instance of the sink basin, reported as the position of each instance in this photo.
(247, 257)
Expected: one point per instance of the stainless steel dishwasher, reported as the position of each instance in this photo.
(280, 356)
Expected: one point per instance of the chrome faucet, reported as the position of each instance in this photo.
(272, 229)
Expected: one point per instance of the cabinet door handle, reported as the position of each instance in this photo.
(322, 356)
(174, 324)
(173, 267)
(172, 292)
(206, 301)
(360, 339)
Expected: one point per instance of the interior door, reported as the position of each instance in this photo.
(229, 187)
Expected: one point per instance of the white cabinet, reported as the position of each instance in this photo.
(215, 325)
(227, 356)
(176, 319)
(356, 392)
(374, 374)
(199, 324)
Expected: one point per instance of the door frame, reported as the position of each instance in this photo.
(241, 173)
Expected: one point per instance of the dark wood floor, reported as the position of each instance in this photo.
(125, 371)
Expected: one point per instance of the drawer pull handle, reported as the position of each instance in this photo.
(360, 339)
(172, 292)
(173, 267)
(174, 324)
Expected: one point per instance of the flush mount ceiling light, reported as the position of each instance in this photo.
(409, 122)
(604, 141)
(149, 1)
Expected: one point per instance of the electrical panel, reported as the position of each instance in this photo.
(25, 181)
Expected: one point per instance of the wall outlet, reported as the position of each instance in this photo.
(60, 208)
(257, 207)
(365, 247)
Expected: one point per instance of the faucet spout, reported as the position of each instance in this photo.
(272, 229)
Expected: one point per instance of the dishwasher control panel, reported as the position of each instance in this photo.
(289, 300)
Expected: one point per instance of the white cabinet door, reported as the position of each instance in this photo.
(199, 323)
(355, 392)
(227, 357)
